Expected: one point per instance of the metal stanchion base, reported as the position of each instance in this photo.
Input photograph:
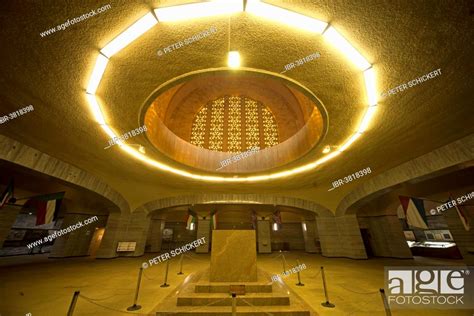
(179, 273)
(134, 307)
(164, 285)
(327, 304)
(299, 284)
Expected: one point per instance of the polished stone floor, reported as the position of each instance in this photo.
(42, 286)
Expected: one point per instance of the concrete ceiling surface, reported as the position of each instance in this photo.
(403, 39)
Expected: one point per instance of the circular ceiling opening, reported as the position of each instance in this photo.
(205, 118)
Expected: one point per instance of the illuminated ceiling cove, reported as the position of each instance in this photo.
(256, 8)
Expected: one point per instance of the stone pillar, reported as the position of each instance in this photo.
(76, 242)
(109, 240)
(387, 238)
(264, 238)
(125, 227)
(340, 237)
(8, 216)
(463, 238)
(203, 230)
(310, 236)
(155, 235)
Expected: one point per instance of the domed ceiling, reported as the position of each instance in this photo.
(402, 40)
(205, 118)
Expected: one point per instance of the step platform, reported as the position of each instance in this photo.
(200, 297)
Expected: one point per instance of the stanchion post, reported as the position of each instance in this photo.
(299, 277)
(73, 303)
(385, 303)
(283, 261)
(181, 264)
(327, 303)
(166, 274)
(136, 307)
(234, 304)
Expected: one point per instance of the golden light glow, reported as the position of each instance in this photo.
(349, 142)
(198, 131)
(346, 48)
(369, 78)
(234, 125)
(231, 202)
(228, 6)
(97, 73)
(216, 126)
(95, 108)
(198, 10)
(367, 118)
(270, 129)
(252, 130)
(326, 149)
(281, 15)
(249, 124)
(328, 157)
(233, 59)
(129, 35)
(108, 130)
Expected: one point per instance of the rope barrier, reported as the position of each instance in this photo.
(148, 278)
(103, 299)
(109, 308)
(362, 293)
(256, 307)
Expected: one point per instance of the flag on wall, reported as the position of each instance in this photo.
(46, 206)
(277, 217)
(414, 210)
(463, 218)
(213, 220)
(192, 218)
(7, 194)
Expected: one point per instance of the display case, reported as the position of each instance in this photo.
(439, 249)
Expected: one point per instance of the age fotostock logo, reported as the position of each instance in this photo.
(434, 287)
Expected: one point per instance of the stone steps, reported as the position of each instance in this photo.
(264, 287)
(241, 310)
(218, 299)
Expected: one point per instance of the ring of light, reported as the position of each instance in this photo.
(275, 175)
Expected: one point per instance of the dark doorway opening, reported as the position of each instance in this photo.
(366, 238)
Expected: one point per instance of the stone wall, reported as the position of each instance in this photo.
(340, 237)
(386, 236)
(311, 237)
(154, 239)
(77, 242)
(125, 227)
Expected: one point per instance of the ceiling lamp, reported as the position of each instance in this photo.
(97, 73)
(367, 118)
(233, 59)
(95, 108)
(346, 48)
(369, 77)
(281, 15)
(349, 142)
(129, 35)
(140, 148)
(198, 10)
